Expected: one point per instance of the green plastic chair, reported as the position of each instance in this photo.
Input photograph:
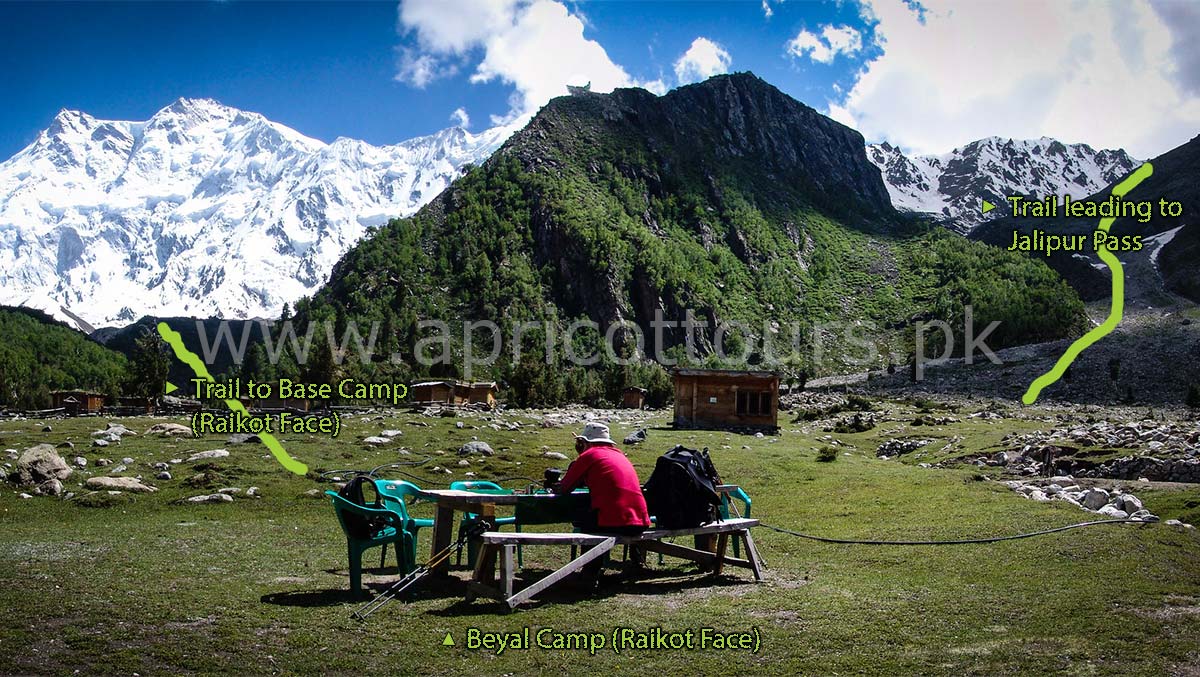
(394, 532)
(395, 494)
(485, 487)
(742, 496)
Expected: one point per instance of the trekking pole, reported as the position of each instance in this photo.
(471, 530)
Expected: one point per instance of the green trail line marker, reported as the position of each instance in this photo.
(175, 340)
(988, 206)
(449, 641)
(1118, 298)
(171, 387)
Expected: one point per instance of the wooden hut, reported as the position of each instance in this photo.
(633, 397)
(717, 398)
(436, 392)
(483, 392)
(78, 401)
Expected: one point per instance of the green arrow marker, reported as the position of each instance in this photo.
(449, 641)
(988, 206)
(170, 388)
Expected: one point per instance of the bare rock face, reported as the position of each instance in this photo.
(39, 464)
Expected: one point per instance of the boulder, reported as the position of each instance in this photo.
(81, 461)
(557, 456)
(214, 453)
(211, 498)
(38, 464)
(120, 430)
(476, 447)
(170, 430)
(119, 484)
(636, 437)
(1095, 499)
(374, 441)
(1113, 512)
(164, 476)
(50, 487)
(1128, 502)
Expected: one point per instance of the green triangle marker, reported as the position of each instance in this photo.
(449, 641)
(988, 206)
(170, 388)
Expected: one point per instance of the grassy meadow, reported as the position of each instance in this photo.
(140, 583)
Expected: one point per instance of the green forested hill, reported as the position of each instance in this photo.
(39, 354)
(727, 198)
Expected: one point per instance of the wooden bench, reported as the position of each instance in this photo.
(501, 547)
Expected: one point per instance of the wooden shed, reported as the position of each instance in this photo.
(483, 392)
(78, 401)
(717, 398)
(439, 392)
(633, 397)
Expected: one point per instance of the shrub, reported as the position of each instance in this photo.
(827, 454)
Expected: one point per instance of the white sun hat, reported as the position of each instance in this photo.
(595, 432)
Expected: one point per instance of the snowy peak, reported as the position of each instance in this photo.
(950, 186)
(201, 210)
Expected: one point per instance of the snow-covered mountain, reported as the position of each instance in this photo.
(952, 185)
(202, 210)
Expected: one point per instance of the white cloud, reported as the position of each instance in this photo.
(703, 59)
(536, 46)
(1104, 74)
(767, 11)
(832, 40)
(460, 118)
(419, 69)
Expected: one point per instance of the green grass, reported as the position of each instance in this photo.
(150, 586)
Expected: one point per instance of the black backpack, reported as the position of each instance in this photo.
(361, 526)
(681, 492)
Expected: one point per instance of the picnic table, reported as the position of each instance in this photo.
(484, 505)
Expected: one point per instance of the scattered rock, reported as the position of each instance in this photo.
(50, 487)
(475, 447)
(636, 437)
(1113, 512)
(314, 493)
(99, 443)
(211, 498)
(253, 492)
(102, 462)
(1095, 499)
(169, 430)
(25, 495)
(464, 463)
(81, 461)
(373, 441)
(164, 476)
(557, 456)
(47, 429)
(230, 490)
(243, 438)
(118, 469)
(215, 453)
(38, 464)
(119, 484)
(391, 433)
(66, 445)
(896, 447)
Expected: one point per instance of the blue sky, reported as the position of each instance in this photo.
(926, 78)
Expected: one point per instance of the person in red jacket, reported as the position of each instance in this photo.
(618, 506)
